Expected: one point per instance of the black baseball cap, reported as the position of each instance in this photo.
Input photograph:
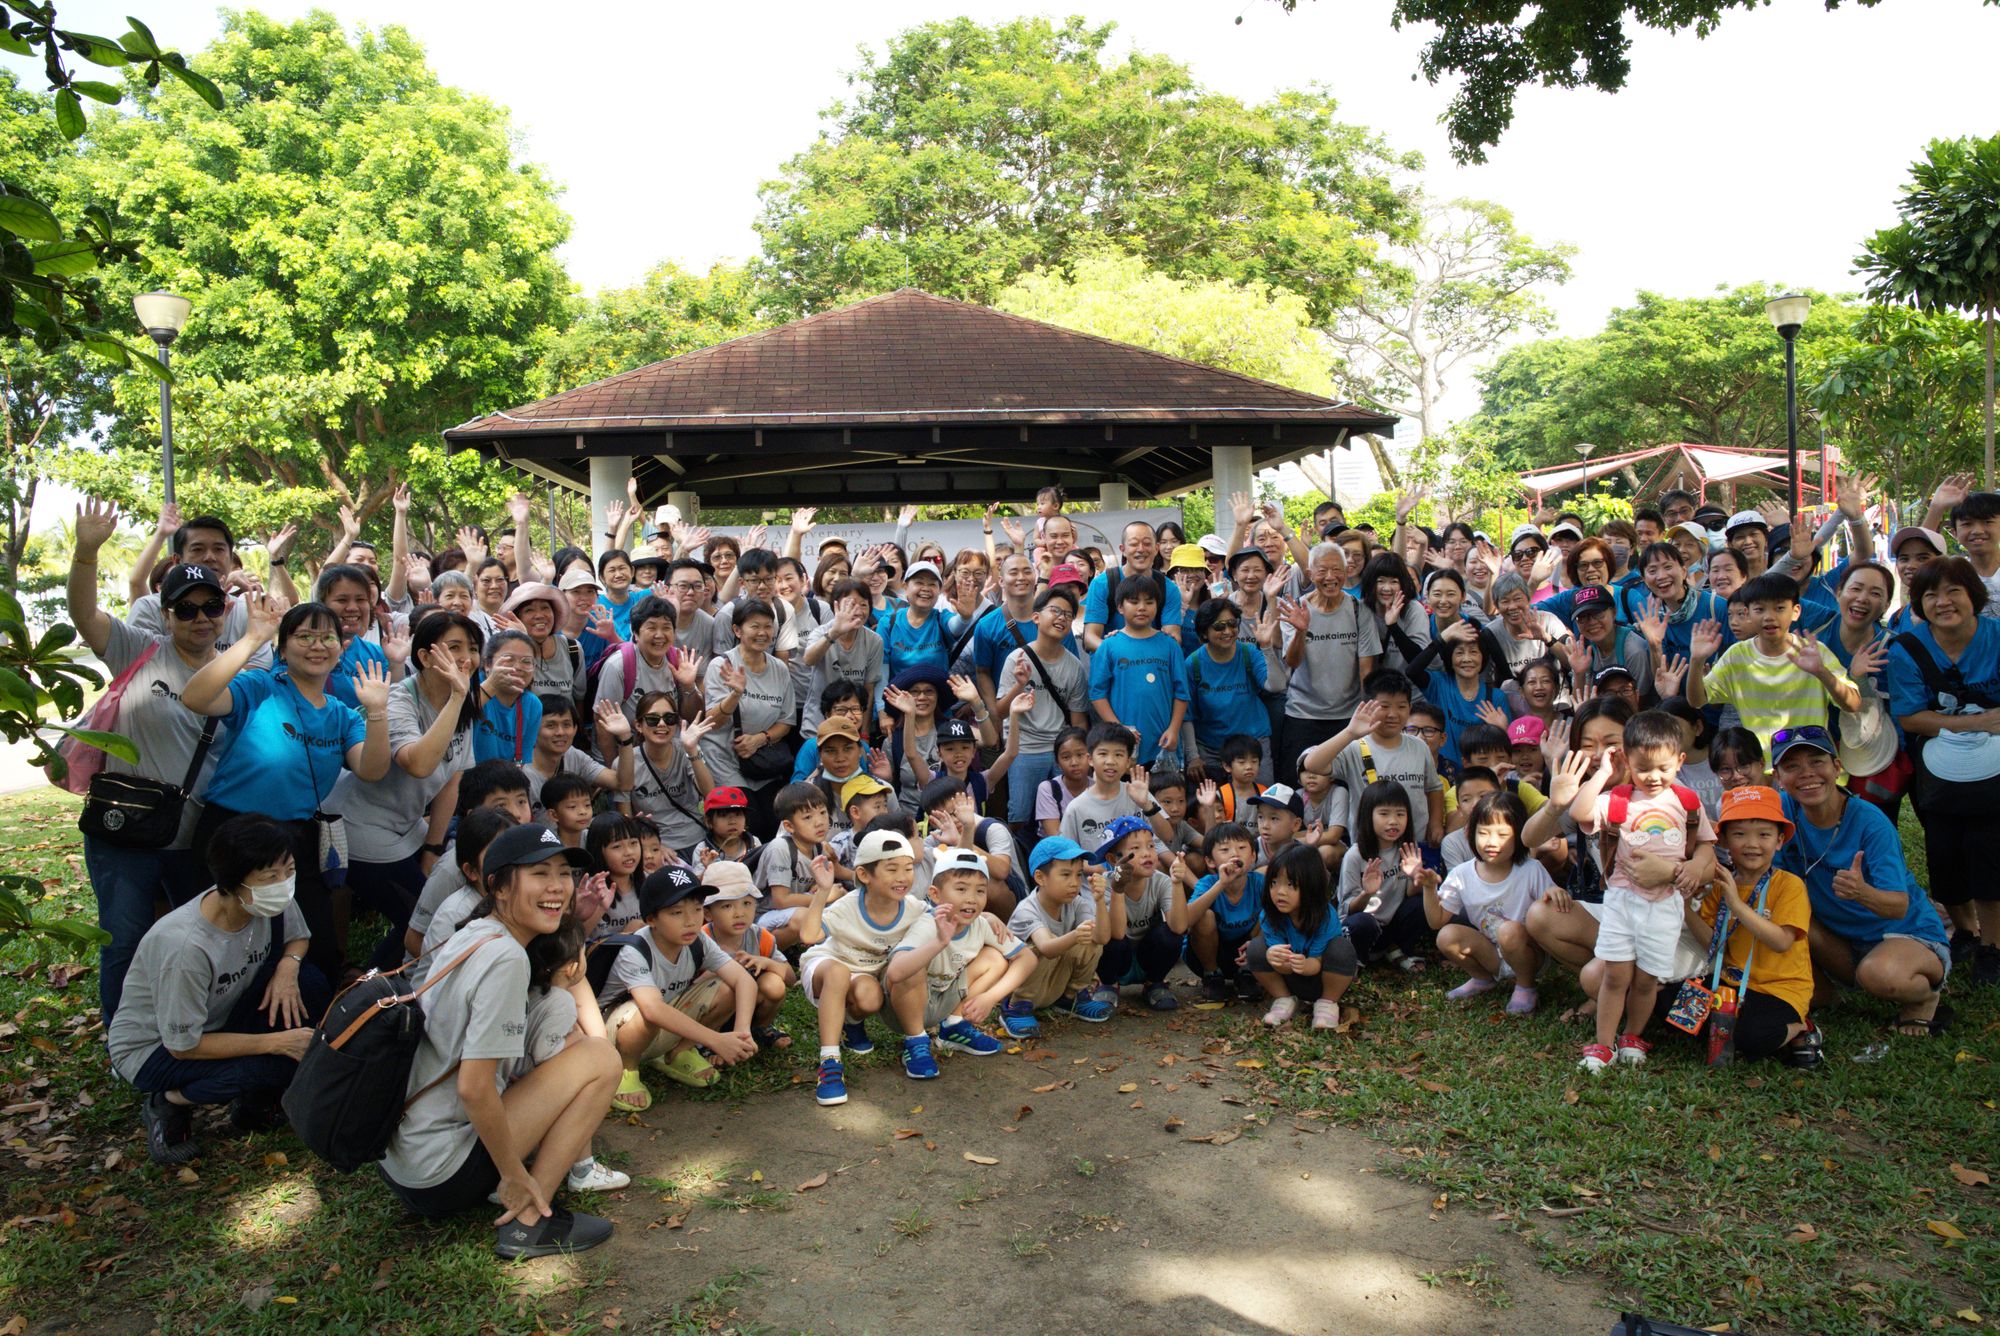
(183, 576)
(955, 730)
(524, 846)
(667, 888)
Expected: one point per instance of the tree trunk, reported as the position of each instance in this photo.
(1989, 396)
(1383, 464)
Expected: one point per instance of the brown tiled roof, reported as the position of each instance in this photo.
(909, 358)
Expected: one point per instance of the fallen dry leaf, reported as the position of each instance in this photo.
(905, 1133)
(1972, 1178)
(1254, 1064)
(1173, 1123)
(1435, 1087)
(816, 1181)
(980, 1159)
(1570, 1096)
(1045, 1089)
(1128, 1087)
(187, 1176)
(14, 1326)
(1969, 1315)
(756, 1175)
(1563, 1212)
(1945, 1229)
(1023, 1112)
(275, 1160)
(1218, 1138)
(1802, 1232)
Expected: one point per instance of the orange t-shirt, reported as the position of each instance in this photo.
(1783, 974)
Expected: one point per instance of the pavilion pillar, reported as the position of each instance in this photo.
(1231, 465)
(687, 503)
(1114, 496)
(608, 476)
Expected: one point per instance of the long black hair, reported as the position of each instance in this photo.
(435, 627)
(1301, 865)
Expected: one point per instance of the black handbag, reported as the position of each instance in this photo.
(134, 812)
(772, 761)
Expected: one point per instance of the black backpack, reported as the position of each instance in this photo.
(597, 964)
(346, 1098)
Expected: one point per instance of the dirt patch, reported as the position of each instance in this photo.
(1099, 1208)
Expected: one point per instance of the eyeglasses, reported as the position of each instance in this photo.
(1423, 730)
(187, 612)
(315, 639)
(512, 661)
(659, 720)
(685, 586)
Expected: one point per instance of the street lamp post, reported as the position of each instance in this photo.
(162, 315)
(1583, 449)
(1788, 313)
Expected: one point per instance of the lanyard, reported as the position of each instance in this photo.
(1723, 927)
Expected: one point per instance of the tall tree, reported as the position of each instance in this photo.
(368, 264)
(1451, 292)
(969, 155)
(1242, 328)
(1494, 53)
(1945, 253)
(1704, 370)
(669, 313)
(1901, 397)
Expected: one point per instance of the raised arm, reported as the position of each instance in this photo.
(207, 692)
(139, 580)
(96, 521)
(398, 587)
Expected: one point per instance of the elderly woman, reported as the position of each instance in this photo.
(1589, 562)
(452, 591)
(1873, 927)
(1523, 632)
(1944, 689)
(539, 610)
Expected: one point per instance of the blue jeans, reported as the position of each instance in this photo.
(127, 882)
(1024, 777)
(219, 1080)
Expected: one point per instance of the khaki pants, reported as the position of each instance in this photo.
(1056, 977)
(707, 999)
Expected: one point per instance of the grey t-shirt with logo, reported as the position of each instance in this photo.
(150, 713)
(1327, 682)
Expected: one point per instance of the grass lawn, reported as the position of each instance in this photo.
(1826, 1202)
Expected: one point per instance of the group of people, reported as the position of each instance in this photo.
(612, 809)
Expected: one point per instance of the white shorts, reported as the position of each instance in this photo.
(1644, 932)
(773, 919)
(809, 974)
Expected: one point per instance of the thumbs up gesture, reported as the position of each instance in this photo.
(1848, 883)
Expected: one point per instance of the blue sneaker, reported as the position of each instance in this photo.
(965, 1037)
(854, 1037)
(1094, 1004)
(832, 1088)
(1017, 1018)
(918, 1064)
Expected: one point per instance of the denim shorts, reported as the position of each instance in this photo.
(1859, 950)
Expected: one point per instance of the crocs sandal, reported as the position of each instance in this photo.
(632, 1095)
(690, 1068)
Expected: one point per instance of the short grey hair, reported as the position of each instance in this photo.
(1325, 548)
(1509, 583)
(450, 580)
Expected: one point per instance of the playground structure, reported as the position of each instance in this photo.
(1693, 468)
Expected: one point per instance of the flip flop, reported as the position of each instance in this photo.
(1939, 1021)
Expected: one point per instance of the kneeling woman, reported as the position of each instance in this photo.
(219, 1004)
(466, 1133)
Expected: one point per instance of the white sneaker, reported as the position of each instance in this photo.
(587, 1175)
(1326, 1015)
(1282, 1010)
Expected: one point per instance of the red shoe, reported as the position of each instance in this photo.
(1632, 1050)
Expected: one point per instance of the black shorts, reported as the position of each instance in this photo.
(467, 1189)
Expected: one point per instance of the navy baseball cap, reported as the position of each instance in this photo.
(524, 846)
(955, 730)
(183, 576)
(667, 887)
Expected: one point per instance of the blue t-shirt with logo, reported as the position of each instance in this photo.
(1098, 610)
(1223, 698)
(1978, 666)
(1140, 677)
(280, 754)
(1234, 921)
(905, 646)
(1814, 854)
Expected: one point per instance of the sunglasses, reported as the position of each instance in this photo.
(1226, 626)
(659, 720)
(187, 612)
(1812, 733)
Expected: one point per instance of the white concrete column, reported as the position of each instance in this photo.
(1114, 496)
(608, 476)
(687, 503)
(1231, 464)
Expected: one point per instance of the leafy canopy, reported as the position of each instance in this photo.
(368, 265)
(669, 313)
(970, 155)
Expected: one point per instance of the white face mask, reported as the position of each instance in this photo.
(269, 901)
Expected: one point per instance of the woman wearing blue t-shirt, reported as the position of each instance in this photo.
(287, 740)
(1226, 679)
(1872, 925)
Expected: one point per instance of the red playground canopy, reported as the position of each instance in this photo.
(1692, 467)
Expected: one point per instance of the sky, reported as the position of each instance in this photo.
(1768, 151)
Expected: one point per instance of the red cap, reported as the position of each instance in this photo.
(725, 800)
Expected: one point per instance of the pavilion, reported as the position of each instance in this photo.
(911, 398)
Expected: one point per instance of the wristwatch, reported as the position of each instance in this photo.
(436, 850)
(277, 563)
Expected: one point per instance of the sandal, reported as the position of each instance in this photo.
(632, 1095)
(1406, 962)
(770, 1036)
(1918, 1027)
(690, 1068)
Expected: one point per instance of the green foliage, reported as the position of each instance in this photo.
(1707, 370)
(48, 292)
(368, 264)
(1578, 43)
(1945, 253)
(971, 155)
(1902, 397)
(671, 312)
(1465, 280)
(1244, 328)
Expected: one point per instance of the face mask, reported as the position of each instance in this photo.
(270, 901)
